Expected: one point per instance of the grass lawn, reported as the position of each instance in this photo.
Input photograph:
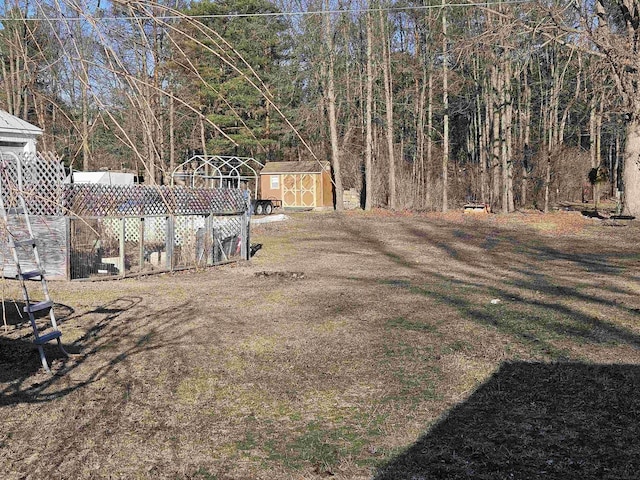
(352, 346)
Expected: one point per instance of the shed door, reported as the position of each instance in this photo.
(299, 190)
(308, 190)
(289, 191)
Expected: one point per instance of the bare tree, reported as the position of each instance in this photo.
(331, 105)
(368, 117)
(445, 107)
(386, 39)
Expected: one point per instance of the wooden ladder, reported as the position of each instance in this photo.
(27, 244)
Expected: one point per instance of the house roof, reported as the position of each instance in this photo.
(295, 167)
(12, 124)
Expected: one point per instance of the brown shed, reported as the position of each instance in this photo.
(297, 184)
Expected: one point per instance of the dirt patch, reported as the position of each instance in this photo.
(330, 353)
(281, 275)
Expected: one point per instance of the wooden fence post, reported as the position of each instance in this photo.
(245, 249)
(170, 240)
(123, 224)
(141, 235)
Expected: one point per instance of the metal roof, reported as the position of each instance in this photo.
(295, 167)
(12, 124)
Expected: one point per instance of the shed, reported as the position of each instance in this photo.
(298, 184)
(17, 135)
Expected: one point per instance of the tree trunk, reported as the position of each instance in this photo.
(203, 139)
(631, 168)
(331, 108)
(495, 139)
(508, 135)
(368, 174)
(482, 150)
(547, 177)
(502, 89)
(388, 97)
(599, 116)
(7, 88)
(481, 139)
(526, 143)
(569, 105)
(488, 147)
(85, 127)
(420, 136)
(616, 167)
(445, 107)
(427, 173)
(40, 112)
(172, 138)
(592, 132)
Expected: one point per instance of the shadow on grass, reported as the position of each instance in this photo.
(535, 420)
(14, 315)
(19, 356)
(114, 336)
(515, 263)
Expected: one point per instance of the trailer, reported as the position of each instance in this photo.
(265, 206)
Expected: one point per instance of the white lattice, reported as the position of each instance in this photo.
(42, 181)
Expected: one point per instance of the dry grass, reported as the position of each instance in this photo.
(232, 373)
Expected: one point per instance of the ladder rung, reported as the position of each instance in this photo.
(26, 241)
(31, 274)
(36, 307)
(15, 210)
(47, 336)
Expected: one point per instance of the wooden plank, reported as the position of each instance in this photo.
(51, 234)
(121, 245)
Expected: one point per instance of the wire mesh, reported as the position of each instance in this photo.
(138, 245)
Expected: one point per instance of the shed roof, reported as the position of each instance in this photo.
(12, 124)
(295, 167)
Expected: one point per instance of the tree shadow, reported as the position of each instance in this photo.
(534, 420)
(511, 266)
(14, 315)
(19, 356)
(114, 337)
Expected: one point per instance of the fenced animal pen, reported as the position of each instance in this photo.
(96, 230)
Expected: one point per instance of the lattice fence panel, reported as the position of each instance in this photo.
(227, 226)
(9, 180)
(227, 235)
(96, 200)
(186, 227)
(42, 182)
(155, 230)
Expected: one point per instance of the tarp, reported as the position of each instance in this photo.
(105, 178)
